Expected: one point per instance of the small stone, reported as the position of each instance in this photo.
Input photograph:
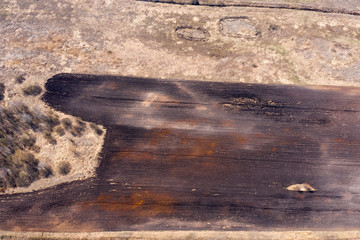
(238, 27)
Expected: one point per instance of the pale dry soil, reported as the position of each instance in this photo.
(198, 235)
(140, 39)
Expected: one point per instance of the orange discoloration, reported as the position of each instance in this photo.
(259, 135)
(157, 135)
(274, 149)
(286, 130)
(133, 155)
(212, 145)
(200, 147)
(141, 203)
(109, 86)
(121, 155)
(190, 122)
(339, 140)
(241, 140)
(299, 196)
(193, 148)
(227, 123)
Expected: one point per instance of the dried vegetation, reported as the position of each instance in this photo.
(2, 91)
(18, 127)
(26, 129)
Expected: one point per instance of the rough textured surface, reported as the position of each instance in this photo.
(42, 38)
(335, 6)
(197, 235)
(123, 37)
(204, 156)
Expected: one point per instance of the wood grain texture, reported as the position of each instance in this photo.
(203, 156)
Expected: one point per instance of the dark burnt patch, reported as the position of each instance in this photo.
(321, 120)
(275, 110)
(248, 102)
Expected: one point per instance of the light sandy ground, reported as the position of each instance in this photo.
(208, 235)
(133, 38)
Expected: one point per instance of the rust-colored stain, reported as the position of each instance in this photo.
(339, 140)
(109, 86)
(259, 135)
(227, 123)
(300, 196)
(241, 139)
(194, 148)
(134, 155)
(157, 135)
(210, 151)
(191, 122)
(141, 203)
(274, 149)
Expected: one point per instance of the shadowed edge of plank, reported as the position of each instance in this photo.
(254, 235)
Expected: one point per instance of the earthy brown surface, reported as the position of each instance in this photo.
(203, 156)
(232, 44)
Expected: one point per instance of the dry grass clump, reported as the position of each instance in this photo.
(49, 137)
(76, 129)
(96, 128)
(2, 91)
(51, 121)
(32, 90)
(64, 168)
(60, 131)
(66, 122)
(79, 128)
(20, 79)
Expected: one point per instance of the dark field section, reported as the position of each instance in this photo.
(182, 155)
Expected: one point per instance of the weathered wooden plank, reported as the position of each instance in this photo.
(201, 155)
